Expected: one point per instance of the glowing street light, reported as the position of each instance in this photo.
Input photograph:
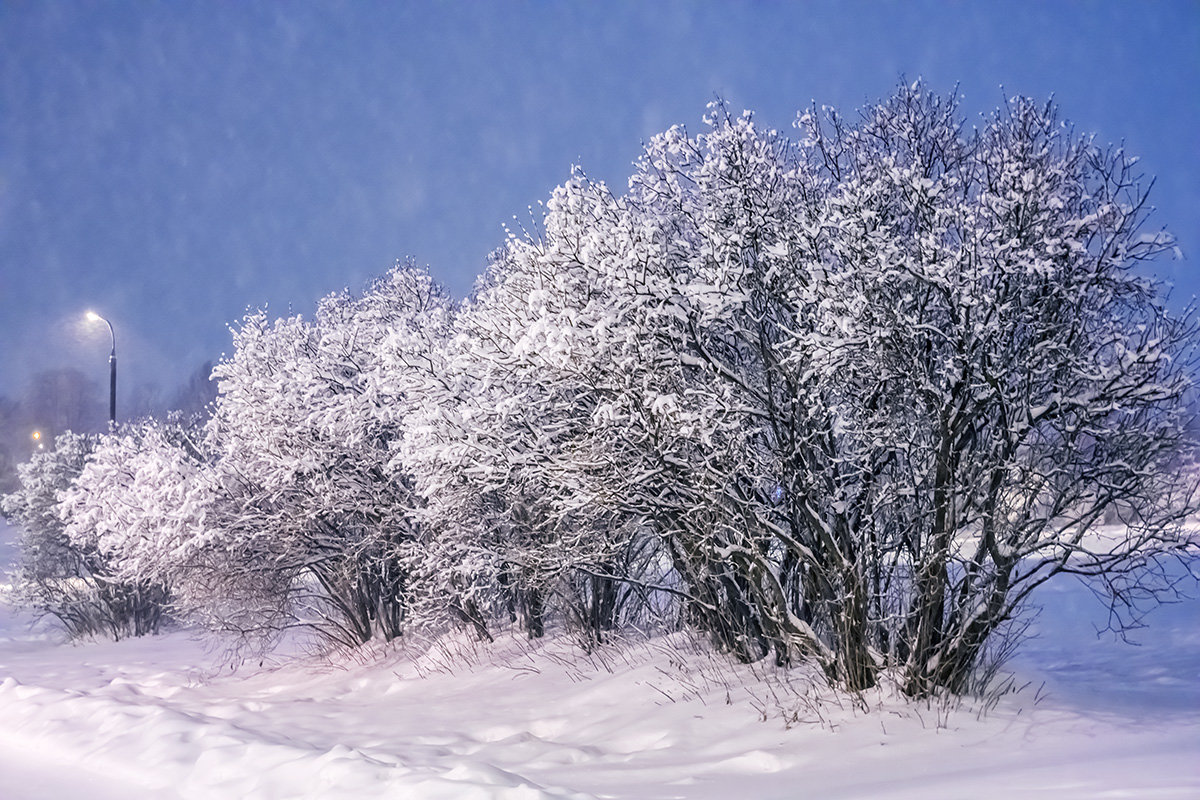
(37, 439)
(112, 367)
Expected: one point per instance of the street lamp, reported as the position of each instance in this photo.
(112, 367)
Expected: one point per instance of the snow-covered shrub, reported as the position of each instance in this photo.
(141, 503)
(1004, 367)
(64, 571)
(52, 576)
(500, 448)
(303, 431)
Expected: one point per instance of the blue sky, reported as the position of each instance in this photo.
(172, 163)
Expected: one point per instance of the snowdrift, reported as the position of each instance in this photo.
(166, 717)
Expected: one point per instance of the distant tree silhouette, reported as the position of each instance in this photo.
(197, 393)
(145, 401)
(64, 399)
(14, 443)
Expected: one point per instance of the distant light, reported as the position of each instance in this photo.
(37, 435)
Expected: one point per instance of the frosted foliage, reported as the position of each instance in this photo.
(45, 550)
(70, 577)
(844, 399)
(304, 431)
(141, 502)
(504, 449)
(866, 390)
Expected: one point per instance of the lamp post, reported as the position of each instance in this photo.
(112, 367)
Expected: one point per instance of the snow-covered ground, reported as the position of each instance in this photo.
(162, 718)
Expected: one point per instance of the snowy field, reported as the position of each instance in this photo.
(162, 718)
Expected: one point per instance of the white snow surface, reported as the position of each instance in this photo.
(166, 717)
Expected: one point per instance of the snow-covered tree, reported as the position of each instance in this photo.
(51, 575)
(139, 504)
(303, 432)
(1012, 373)
(723, 409)
(69, 578)
(501, 448)
(129, 494)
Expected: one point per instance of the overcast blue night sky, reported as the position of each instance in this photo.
(171, 163)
